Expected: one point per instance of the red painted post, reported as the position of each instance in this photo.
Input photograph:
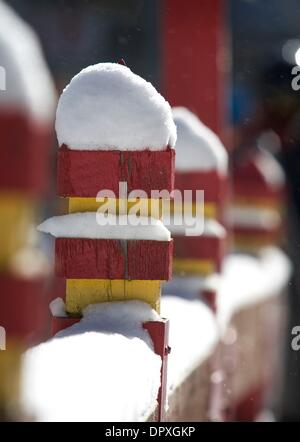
(258, 201)
(59, 323)
(210, 297)
(86, 261)
(201, 165)
(26, 117)
(194, 53)
(159, 333)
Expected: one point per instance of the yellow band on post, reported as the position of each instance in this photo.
(82, 292)
(10, 371)
(194, 266)
(17, 215)
(209, 209)
(253, 243)
(137, 206)
(257, 202)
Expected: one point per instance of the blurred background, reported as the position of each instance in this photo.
(230, 62)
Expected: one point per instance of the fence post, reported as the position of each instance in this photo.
(256, 216)
(258, 199)
(123, 263)
(201, 164)
(25, 141)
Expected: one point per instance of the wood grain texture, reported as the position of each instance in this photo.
(78, 258)
(82, 292)
(85, 173)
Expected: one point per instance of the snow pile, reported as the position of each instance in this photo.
(108, 107)
(28, 83)
(270, 169)
(197, 147)
(108, 226)
(190, 287)
(178, 226)
(193, 336)
(58, 308)
(101, 369)
(249, 280)
(261, 218)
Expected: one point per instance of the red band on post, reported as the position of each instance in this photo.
(113, 259)
(23, 311)
(59, 323)
(200, 247)
(23, 154)
(85, 173)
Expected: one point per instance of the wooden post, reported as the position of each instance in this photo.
(26, 106)
(258, 199)
(23, 179)
(98, 270)
(159, 333)
(201, 166)
(194, 58)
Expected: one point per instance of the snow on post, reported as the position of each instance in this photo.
(256, 211)
(114, 129)
(27, 106)
(26, 114)
(201, 164)
(113, 126)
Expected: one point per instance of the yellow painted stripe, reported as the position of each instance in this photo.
(253, 243)
(17, 215)
(194, 266)
(10, 370)
(82, 292)
(266, 203)
(210, 209)
(138, 206)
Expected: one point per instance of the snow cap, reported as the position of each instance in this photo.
(25, 82)
(108, 107)
(105, 226)
(197, 147)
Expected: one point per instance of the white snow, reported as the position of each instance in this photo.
(248, 280)
(96, 226)
(270, 169)
(201, 227)
(197, 147)
(190, 287)
(246, 216)
(101, 369)
(28, 83)
(58, 307)
(108, 107)
(193, 336)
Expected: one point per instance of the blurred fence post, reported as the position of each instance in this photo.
(194, 58)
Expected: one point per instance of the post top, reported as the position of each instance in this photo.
(108, 107)
(25, 82)
(197, 147)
